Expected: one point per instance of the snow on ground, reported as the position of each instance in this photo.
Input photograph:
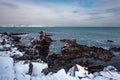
(6, 68)
(22, 70)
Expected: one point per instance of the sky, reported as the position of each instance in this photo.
(60, 12)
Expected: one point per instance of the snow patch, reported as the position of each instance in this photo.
(6, 68)
(78, 71)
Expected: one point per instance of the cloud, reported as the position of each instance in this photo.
(17, 12)
(7, 4)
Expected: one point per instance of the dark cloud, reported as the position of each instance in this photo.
(8, 4)
(113, 10)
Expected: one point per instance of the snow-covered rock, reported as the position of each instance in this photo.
(91, 76)
(1, 40)
(7, 45)
(110, 72)
(14, 51)
(61, 75)
(101, 78)
(78, 71)
(1, 47)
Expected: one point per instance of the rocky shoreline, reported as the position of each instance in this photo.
(72, 54)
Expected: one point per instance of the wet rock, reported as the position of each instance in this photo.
(110, 41)
(18, 33)
(43, 47)
(4, 33)
(84, 51)
(95, 68)
(102, 54)
(115, 49)
(46, 71)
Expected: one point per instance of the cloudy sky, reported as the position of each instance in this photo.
(60, 12)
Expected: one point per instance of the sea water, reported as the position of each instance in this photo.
(90, 36)
(84, 35)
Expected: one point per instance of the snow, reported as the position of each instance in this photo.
(1, 40)
(80, 72)
(6, 68)
(91, 76)
(100, 78)
(38, 67)
(26, 40)
(22, 70)
(7, 45)
(11, 53)
(110, 72)
(15, 52)
(1, 47)
(61, 75)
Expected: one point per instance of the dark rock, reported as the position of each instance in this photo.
(3, 42)
(110, 41)
(45, 71)
(115, 49)
(18, 33)
(4, 33)
(16, 38)
(38, 49)
(43, 47)
(95, 68)
(30, 68)
(74, 51)
(69, 41)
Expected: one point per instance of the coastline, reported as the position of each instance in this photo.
(10, 49)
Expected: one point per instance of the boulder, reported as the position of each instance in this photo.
(110, 41)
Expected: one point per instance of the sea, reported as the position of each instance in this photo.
(90, 36)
